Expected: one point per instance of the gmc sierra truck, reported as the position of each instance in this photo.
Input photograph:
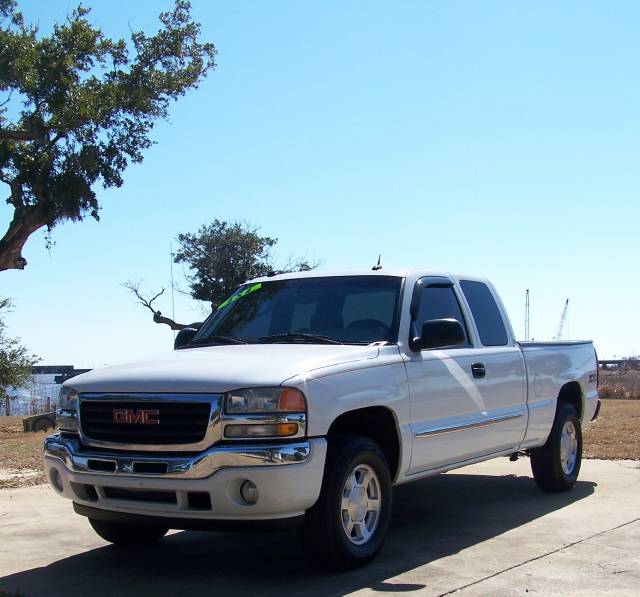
(305, 397)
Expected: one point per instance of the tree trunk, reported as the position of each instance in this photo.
(26, 220)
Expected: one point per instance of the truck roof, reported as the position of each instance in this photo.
(400, 273)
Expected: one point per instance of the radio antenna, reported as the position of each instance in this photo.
(526, 317)
(376, 267)
(173, 302)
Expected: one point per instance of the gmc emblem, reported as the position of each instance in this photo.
(149, 416)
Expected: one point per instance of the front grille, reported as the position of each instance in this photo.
(179, 422)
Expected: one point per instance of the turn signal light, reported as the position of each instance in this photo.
(271, 430)
(292, 401)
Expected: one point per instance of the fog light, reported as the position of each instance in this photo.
(249, 492)
(56, 480)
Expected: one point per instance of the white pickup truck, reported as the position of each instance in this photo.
(305, 397)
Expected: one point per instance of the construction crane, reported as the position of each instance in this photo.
(563, 320)
(526, 317)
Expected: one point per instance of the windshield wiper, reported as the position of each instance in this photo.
(210, 340)
(311, 338)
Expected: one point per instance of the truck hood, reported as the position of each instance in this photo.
(219, 369)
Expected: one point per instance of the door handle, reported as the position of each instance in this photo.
(478, 370)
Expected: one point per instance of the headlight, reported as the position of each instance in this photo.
(264, 400)
(67, 410)
(264, 412)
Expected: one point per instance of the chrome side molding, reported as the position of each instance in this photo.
(430, 431)
(541, 404)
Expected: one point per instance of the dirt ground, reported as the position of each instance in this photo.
(615, 435)
(20, 455)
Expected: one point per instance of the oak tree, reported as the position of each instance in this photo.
(76, 108)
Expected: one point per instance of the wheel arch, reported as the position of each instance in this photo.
(378, 423)
(571, 393)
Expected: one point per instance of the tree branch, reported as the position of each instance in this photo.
(158, 317)
(134, 288)
(16, 194)
(15, 135)
(54, 141)
(5, 102)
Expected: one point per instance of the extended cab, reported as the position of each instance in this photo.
(305, 397)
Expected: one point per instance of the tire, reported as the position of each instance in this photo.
(552, 465)
(128, 535)
(356, 466)
(42, 424)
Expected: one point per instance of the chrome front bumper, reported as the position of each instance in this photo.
(77, 458)
(288, 476)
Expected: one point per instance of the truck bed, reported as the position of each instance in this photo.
(550, 366)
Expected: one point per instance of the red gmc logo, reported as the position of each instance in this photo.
(136, 417)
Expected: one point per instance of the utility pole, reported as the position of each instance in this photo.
(526, 317)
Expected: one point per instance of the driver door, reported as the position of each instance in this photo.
(448, 409)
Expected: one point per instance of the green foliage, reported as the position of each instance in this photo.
(82, 109)
(15, 359)
(221, 256)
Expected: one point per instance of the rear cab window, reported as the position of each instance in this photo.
(485, 312)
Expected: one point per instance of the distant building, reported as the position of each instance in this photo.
(41, 393)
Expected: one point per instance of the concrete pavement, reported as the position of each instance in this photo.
(483, 530)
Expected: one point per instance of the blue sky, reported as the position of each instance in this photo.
(495, 138)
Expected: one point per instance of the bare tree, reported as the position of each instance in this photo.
(158, 317)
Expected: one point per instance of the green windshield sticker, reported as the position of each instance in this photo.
(234, 297)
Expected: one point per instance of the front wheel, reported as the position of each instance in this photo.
(556, 465)
(348, 523)
(127, 535)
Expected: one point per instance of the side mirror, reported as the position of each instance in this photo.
(439, 333)
(185, 335)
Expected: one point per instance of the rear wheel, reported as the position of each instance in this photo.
(556, 465)
(126, 535)
(42, 424)
(347, 525)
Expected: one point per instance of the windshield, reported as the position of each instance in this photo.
(341, 309)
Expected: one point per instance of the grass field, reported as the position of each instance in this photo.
(614, 435)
